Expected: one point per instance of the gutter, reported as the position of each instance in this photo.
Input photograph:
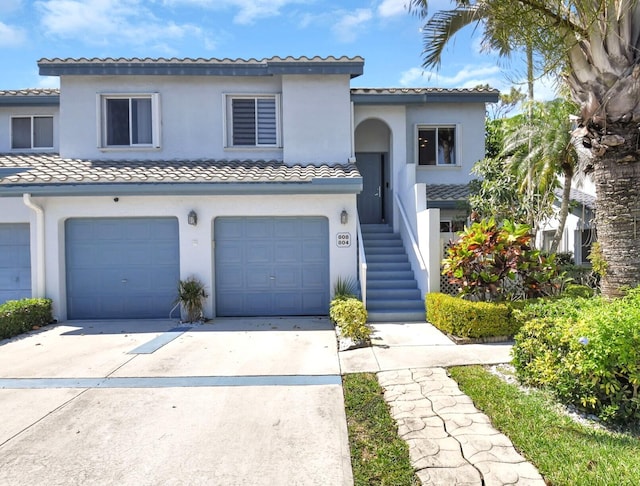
(40, 289)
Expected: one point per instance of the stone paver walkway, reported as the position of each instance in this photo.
(450, 441)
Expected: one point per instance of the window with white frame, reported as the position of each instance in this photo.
(253, 121)
(129, 120)
(32, 132)
(437, 145)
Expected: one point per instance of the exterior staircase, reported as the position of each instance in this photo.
(392, 291)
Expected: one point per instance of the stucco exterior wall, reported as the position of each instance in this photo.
(6, 112)
(195, 242)
(314, 115)
(316, 119)
(469, 119)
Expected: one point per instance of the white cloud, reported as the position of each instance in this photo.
(468, 76)
(109, 22)
(48, 81)
(392, 8)
(346, 29)
(11, 36)
(249, 11)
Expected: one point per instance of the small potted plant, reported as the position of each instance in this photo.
(191, 296)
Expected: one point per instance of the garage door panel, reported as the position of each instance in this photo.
(258, 252)
(121, 267)
(271, 247)
(258, 228)
(15, 262)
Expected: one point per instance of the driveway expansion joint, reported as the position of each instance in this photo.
(450, 441)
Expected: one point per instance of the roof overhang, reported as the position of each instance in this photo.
(316, 186)
(201, 67)
(415, 98)
(48, 100)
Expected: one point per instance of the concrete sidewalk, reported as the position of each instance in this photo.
(450, 441)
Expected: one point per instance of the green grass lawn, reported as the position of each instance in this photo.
(378, 455)
(565, 452)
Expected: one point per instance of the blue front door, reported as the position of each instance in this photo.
(121, 268)
(270, 266)
(370, 200)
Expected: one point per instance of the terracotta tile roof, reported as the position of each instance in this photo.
(199, 60)
(447, 192)
(44, 169)
(31, 92)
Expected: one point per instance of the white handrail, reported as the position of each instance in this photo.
(414, 243)
(362, 265)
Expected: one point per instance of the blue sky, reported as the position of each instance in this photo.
(382, 31)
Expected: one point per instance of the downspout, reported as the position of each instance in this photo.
(40, 275)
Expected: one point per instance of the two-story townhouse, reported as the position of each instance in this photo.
(252, 175)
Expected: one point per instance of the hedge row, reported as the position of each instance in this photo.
(18, 316)
(464, 318)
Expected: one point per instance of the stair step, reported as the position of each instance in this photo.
(391, 284)
(384, 250)
(399, 304)
(376, 228)
(390, 275)
(391, 293)
(382, 242)
(367, 237)
(387, 266)
(387, 258)
(396, 316)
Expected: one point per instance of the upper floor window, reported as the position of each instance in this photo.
(129, 121)
(437, 146)
(32, 132)
(253, 121)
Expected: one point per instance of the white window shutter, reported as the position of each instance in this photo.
(156, 119)
(99, 120)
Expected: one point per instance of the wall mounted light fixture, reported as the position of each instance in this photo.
(192, 218)
(344, 217)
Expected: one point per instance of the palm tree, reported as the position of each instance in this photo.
(598, 43)
(545, 149)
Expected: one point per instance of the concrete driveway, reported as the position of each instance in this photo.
(239, 401)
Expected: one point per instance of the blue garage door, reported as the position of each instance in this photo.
(15, 262)
(120, 268)
(272, 266)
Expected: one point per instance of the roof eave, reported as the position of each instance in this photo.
(45, 100)
(316, 186)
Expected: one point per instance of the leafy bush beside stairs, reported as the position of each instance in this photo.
(18, 316)
(464, 318)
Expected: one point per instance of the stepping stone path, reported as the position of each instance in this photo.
(450, 441)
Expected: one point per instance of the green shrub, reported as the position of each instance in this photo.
(492, 262)
(575, 290)
(464, 318)
(350, 316)
(18, 316)
(587, 351)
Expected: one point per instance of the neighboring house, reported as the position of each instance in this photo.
(252, 175)
(580, 229)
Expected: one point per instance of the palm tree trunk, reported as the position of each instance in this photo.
(564, 211)
(616, 177)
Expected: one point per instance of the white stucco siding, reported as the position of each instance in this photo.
(316, 117)
(192, 115)
(195, 242)
(469, 119)
(7, 112)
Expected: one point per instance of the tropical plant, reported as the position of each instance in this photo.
(598, 46)
(191, 297)
(492, 263)
(350, 316)
(345, 288)
(541, 146)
